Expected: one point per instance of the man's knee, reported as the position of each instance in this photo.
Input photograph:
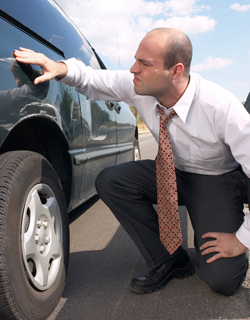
(110, 180)
(225, 276)
(127, 175)
(224, 286)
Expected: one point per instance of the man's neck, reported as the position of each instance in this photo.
(171, 99)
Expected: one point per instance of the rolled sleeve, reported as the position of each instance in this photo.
(74, 77)
(99, 84)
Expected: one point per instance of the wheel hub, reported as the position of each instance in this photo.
(42, 236)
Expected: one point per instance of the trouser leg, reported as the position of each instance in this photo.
(129, 190)
(215, 204)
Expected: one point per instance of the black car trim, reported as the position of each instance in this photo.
(93, 155)
(83, 157)
(29, 32)
(123, 149)
(80, 159)
(102, 65)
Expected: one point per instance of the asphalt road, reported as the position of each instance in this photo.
(103, 260)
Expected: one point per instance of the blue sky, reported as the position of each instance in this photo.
(219, 31)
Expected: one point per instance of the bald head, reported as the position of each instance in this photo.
(177, 47)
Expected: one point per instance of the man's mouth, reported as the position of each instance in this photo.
(136, 80)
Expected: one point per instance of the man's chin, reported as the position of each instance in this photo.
(139, 91)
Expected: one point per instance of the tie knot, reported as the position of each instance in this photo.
(166, 117)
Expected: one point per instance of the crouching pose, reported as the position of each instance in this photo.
(203, 161)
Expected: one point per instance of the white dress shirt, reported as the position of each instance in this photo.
(211, 134)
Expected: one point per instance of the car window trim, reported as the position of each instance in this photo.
(29, 32)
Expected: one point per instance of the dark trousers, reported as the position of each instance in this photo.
(214, 203)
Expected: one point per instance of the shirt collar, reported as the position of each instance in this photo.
(184, 103)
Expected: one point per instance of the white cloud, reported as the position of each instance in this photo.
(211, 63)
(187, 24)
(125, 22)
(180, 7)
(238, 84)
(240, 8)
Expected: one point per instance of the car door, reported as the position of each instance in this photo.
(126, 134)
(100, 150)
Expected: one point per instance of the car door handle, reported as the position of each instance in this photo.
(110, 105)
(117, 108)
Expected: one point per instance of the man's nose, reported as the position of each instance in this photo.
(134, 68)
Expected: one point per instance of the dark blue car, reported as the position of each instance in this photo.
(53, 143)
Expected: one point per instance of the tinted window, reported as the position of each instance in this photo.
(57, 30)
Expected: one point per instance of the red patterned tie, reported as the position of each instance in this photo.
(167, 198)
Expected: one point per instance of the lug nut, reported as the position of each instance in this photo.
(45, 224)
(42, 249)
(37, 238)
(39, 223)
(46, 240)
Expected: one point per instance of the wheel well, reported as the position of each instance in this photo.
(43, 136)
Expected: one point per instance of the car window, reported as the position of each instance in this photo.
(63, 35)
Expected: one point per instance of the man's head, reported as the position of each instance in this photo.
(162, 64)
(178, 48)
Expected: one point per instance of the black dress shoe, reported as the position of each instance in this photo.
(157, 278)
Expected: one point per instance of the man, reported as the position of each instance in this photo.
(209, 136)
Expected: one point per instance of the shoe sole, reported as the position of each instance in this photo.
(180, 274)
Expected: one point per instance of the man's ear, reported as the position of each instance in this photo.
(178, 70)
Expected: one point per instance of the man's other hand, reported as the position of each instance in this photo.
(225, 244)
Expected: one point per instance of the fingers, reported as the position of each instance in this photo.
(25, 49)
(41, 79)
(211, 247)
(210, 235)
(28, 56)
(22, 50)
(208, 244)
(225, 245)
(214, 258)
(50, 68)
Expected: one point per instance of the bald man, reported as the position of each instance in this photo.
(209, 138)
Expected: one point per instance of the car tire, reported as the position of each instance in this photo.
(34, 236)
(137, 153)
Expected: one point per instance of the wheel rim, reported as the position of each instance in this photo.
(42, 234)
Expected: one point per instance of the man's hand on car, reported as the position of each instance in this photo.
(51, 69)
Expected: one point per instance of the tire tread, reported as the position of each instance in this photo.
(9, 164)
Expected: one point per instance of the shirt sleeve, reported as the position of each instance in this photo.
(233, 124)
(243, 234)
(234, 130)
(99, 84)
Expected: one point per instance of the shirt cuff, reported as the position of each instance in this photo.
(243, 234)
(69, 79)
